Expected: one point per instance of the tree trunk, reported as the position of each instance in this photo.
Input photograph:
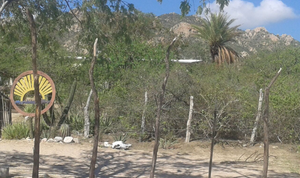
(1, 115)
(143, 117)
(67, 108)
(266, 126)
(212, 143)
(87, 117)
(97, 114)
(260, 100)
(188, 124)
(159, 107)
(36, 153)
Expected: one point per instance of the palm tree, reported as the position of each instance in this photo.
(217, 32)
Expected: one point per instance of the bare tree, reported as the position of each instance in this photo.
(36, 152)
(159, 107)
(266, 126)
(97, 114)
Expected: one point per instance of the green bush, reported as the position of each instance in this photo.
(64, 130)
(76, 123)
(15, 131)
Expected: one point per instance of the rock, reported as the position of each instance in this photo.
(260, 29)
(58, 139)
(76, 140)
(68, 139)
(51, 140)
(106, 144)
(183, 28)
(4, 171)
(44, 139)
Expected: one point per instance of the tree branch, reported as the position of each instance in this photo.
(4, 5)
(73, 13)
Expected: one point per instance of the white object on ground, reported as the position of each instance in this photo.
(120, 145)
(106, 144)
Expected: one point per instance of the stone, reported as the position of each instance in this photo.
(51, 140)
(106, 144)
(4, 171)
(68, 139)
(44, 139)
(76, 140)
(58, 139)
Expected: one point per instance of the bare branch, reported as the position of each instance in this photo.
(73, 13)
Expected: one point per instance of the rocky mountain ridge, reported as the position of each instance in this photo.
(250, 42)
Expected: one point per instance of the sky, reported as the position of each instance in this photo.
(277, 16)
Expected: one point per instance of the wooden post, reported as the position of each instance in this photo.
(266, 126)
(86, 116)
(258, 116)
(160, 102)
(36, 152)
(212, 143)
(1, 115)
(188, 124)
(143, 117)
(97, 114)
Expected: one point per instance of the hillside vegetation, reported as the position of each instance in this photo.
(130, 62)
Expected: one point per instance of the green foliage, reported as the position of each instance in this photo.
(15, 131)
(121, 137)
(216, 30)
(29, 108)
(76, 122)
(167, 141)
(64, 130)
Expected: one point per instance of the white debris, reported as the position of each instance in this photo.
(120, 145)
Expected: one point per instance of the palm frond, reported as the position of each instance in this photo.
(216, 30)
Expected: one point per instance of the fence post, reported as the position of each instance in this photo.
(212, 142)
(188, 125)
(1, 115)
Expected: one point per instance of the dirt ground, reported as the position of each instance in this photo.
(184, 160)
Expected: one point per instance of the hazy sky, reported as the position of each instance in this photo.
(277, 16)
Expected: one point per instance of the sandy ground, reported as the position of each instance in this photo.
(185, 160)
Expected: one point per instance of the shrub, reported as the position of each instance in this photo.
(64, 130)
(15, 131)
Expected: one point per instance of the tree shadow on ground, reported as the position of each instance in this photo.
(131, 164)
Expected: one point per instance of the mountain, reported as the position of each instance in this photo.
(191, 47)
(250, 42)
